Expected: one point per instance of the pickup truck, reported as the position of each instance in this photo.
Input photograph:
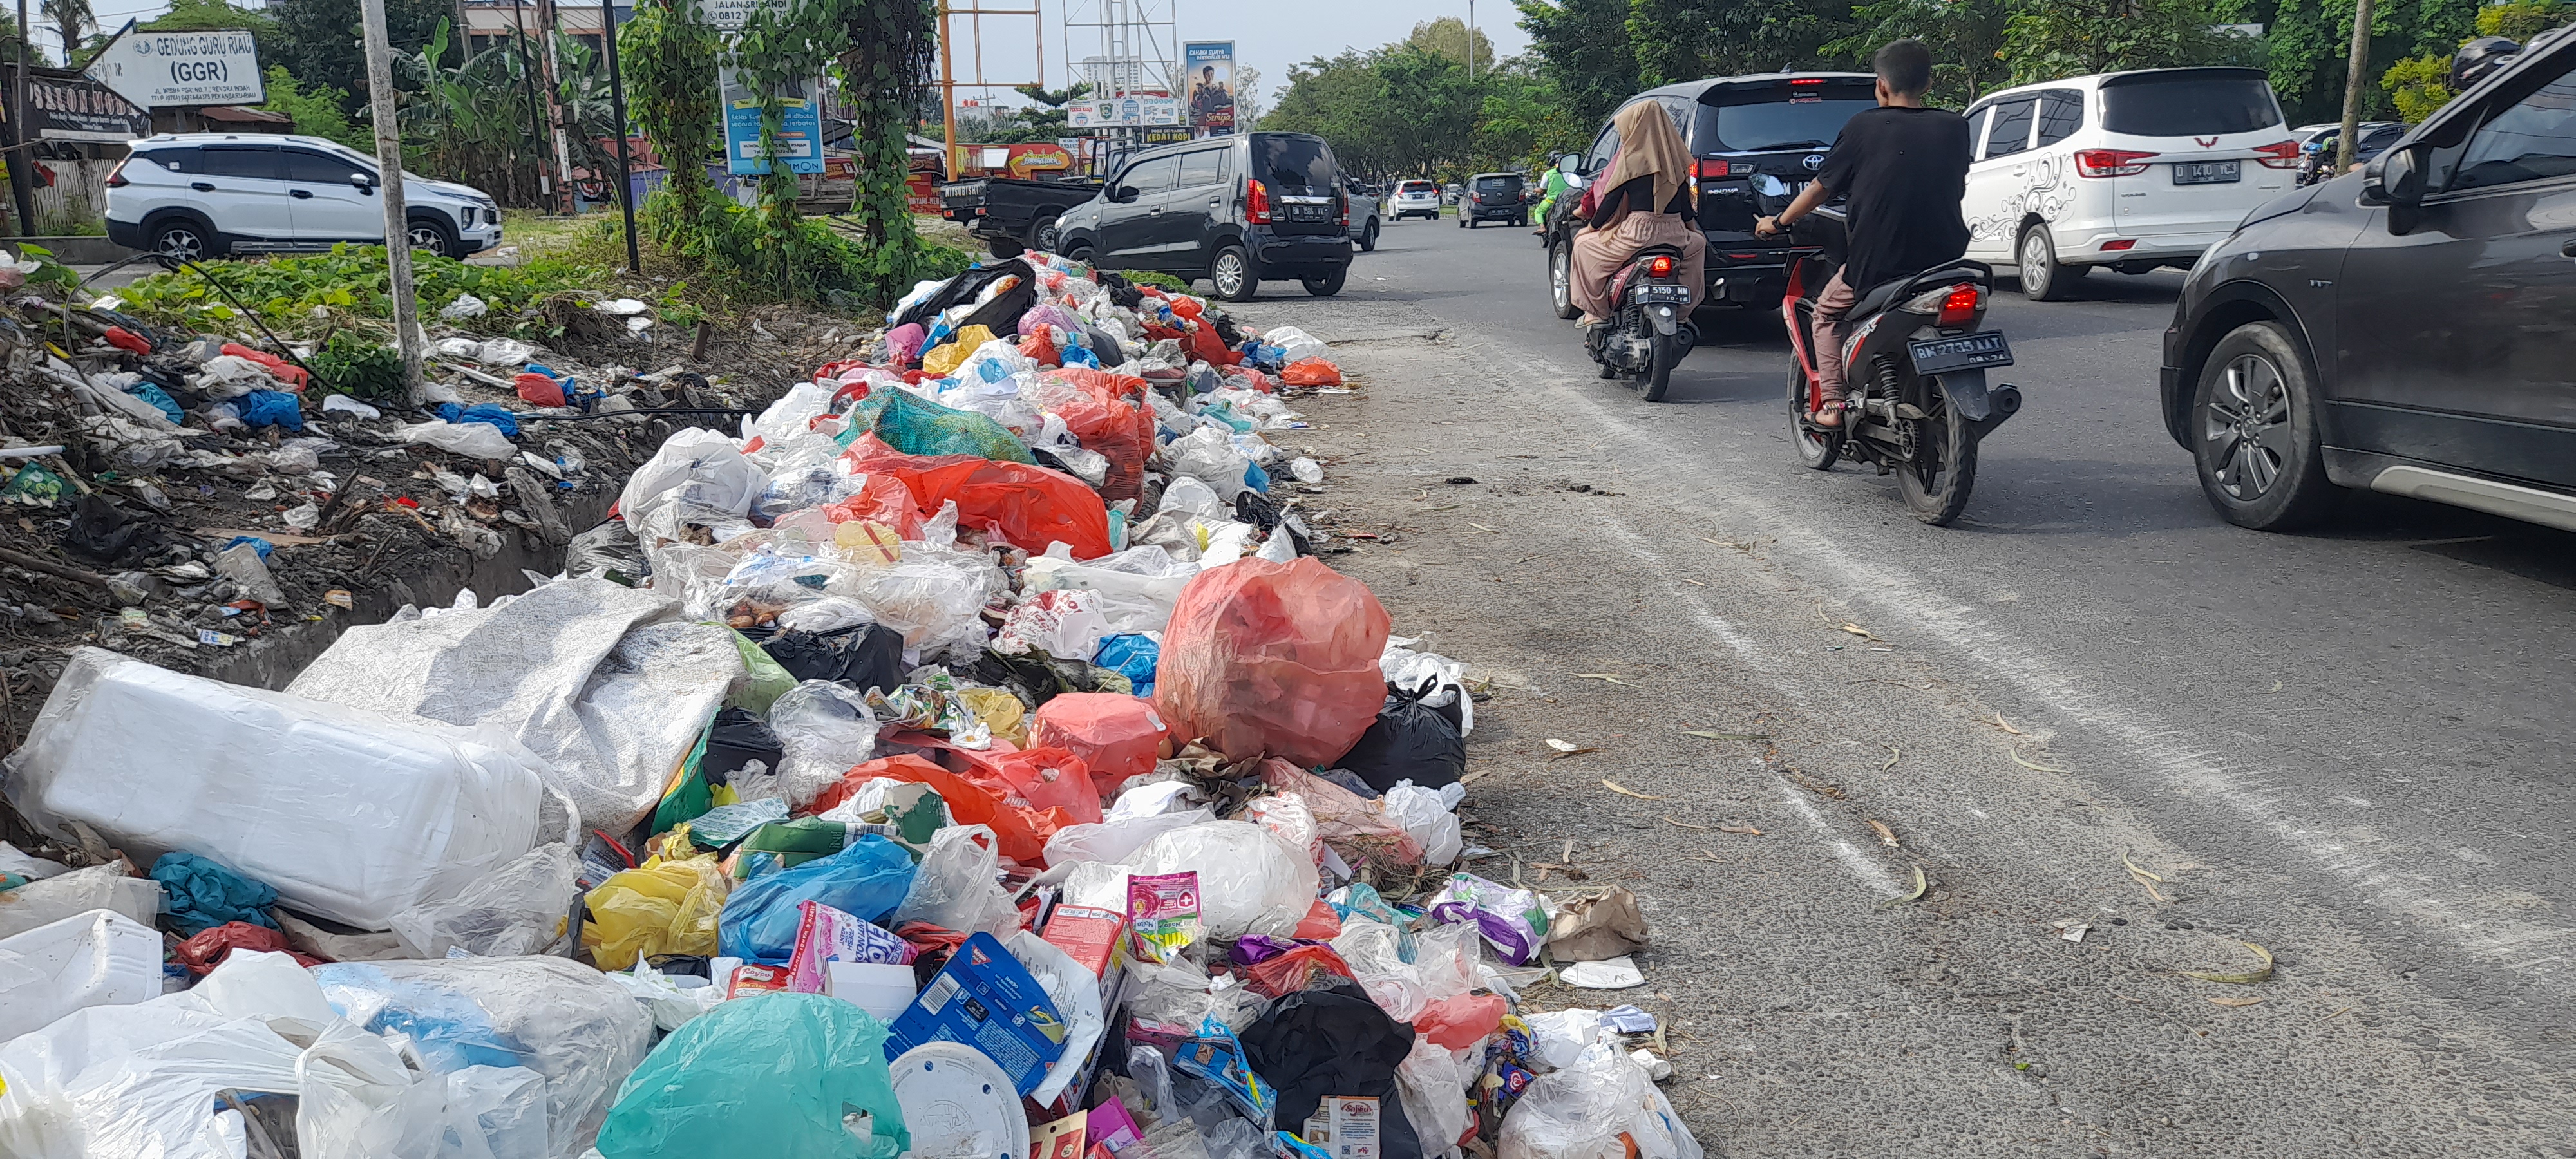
(1010, 213)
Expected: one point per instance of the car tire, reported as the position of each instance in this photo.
(1368, 238)
(2043, 277)
(2255, 440)
(1043, 236)
(187, 238)
(1230, 271)
(435, 237)
(1560, 280)
(1328, 284)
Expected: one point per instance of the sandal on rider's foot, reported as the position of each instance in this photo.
(1828, 413)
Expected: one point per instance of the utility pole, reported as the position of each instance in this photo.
(2354, 68)
(389, 186)
(556, 110)
(947, 90)
(22, 181)
(1471, 41)
(536, 108)
(617, 108)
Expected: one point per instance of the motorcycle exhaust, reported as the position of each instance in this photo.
(2006, 399)
(1689, 335)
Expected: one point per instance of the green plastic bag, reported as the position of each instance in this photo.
(763, 685)
(767, 1077)
(917, 426)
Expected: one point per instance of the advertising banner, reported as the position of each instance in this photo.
(1123, 112)
(800, 134)
(67, 106)
(1211, 84)
(158, 70)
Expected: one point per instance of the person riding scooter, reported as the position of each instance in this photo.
(1643, 199)
(1904, 168)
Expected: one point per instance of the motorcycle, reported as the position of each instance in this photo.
(1652, 329)
(1915, 365)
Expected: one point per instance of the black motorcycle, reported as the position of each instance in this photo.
(1651, 329)
(1915, 364)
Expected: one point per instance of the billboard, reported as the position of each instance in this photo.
(158, 70)
(1211, 84)
(1123, 112)
(800, 129)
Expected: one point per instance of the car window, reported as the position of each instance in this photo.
(2533, 138)
(1977, 127)
(1498, 185)
(1598, 160)
(1287, 162)
(2061, 112)
(1793, 116)
(241, 161)
(2012, 127)
(175, 158)
(2189, 102)
(1154, 176)
(314, 167)
(1205, 167)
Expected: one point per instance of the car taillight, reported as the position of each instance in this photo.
(2110, 162)
(2123, 243)
(1346, 213)
(2279, 155)
(116, 177)
(1960, 307)
(1659, 266)
(1708, 169)
(1806, 80)
(1256, 204)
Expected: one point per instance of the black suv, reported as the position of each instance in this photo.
(1494, 197)
(1756, 141)
(1233, 210)
(2403, 329)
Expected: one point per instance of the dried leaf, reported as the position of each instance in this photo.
(2235, 1003)
(2000, 722)
(1886, 835)
(1726, 735)
(1693, 582)
(1559, 745)
(2276, 687)
(1921, 884)
(1894, 755)
(1856, 630)
(1746, 830)
(1668, 820)
(1603, 677)
(2133, 867)
(1625, 791)
(2247, 978)
(2018, 760)
(1481, 527)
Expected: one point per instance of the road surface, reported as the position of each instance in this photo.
(2348, 747)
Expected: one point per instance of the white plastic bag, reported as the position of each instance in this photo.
(465, 306)
(1295, 345)
(1250, 881)
(927, 600)
(695, 471)
(1286, 814)
(357, 1100)
(957, 886)
(1580, 1111)
(1425, 814)
(523, 907)
(667, 997)
(496, 1112)
(137, 1082)
(1112, 842)
(42, 903)
(825, 730)
(98, 958)
(1434, 1081)
(1561, 1035)
(1137, 587)
(1208, 455)
(1076, 993)
(472, 440)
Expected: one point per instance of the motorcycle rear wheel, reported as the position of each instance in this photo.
(1818, 447)
(1662, 351)
(1943, 470)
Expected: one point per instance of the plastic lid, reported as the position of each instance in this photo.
(959, 1104)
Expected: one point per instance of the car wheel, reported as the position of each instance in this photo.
(435, 238)
(2255, 415)
(1560, 280)
(1079, 253)
(1368, 239)
(1232, 274)
(185, 240)
(1046, 237)
(1326, 285)
(2043, 278)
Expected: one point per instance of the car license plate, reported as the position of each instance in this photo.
(1660, 294)
(1310, 213)
(1966, 352)
(2206, 172)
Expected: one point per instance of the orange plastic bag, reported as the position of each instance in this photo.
(882, 498)
(1275, 659)
(1459, 1021)
(1118, 736)
(1028, 506)
(1054, 783)
(1040, 348)
(1311, 372)
(1095, 405)
(1203, 344)
(968, 803)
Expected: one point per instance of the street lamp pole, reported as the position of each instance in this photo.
(617, 108)
(1471, 41)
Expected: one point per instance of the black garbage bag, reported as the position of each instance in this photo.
(966, 287)
(736, 739)
(1410, 741)
(1318, 1044)
(862, 656)
(101, 532)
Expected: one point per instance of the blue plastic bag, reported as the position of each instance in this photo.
(272, 408)
(200, 894)
(262, 546)
(769, 1077)
(482, 412)
(1132, 656)
(1256, 478)
(160, 399)
(866, 880)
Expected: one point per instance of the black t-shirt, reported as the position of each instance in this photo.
(1904, 171)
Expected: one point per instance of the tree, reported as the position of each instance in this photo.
(1449, 36)
(1247, 94)
(318, 40)
(316, 112)
(1967, 35)
(213, 15)
(1583, 53)
(70, 18)
(2306, 44)
(2045, 39)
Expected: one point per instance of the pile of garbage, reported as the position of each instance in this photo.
(967, 757)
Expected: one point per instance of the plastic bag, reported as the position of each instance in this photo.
(772, 1076)
(1137, 587)
(1062, 624)
(1294, 345)
(958, 885)
(1288, 816)
(665, 908)
(520, 908)
(1027, 506)
(1116, 736)
(554, 1016)
(1311, 372)
(1112, 842)
(669, 998)
(1441, 964)
(1100, 409)
(863, 657)
(98, 958)
(695, 471)
(944, 359)
(915, 425)
(1426, 817)
(1250, 881)
(1356, 827)
(930, 601)
(1410, 741)
(1434, 1082)
(866, 880)
(1273, 659)
(1581, 1111)
(108, 887)
(357, 1100)
(472, 440)
(826, 730)
(1132, 656)
(1513, 920)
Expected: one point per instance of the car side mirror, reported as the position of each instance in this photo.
(2394, 178)
(364, 183)
(1571, 162)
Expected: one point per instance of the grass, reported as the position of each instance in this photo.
(1158, 281)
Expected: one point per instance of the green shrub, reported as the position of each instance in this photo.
(1158, 281)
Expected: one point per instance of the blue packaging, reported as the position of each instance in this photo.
(984, 998)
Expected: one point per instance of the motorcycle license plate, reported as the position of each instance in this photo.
(2206, 172)
(1660, 294)
(1966, 352)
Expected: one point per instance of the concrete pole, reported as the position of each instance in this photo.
(617, 108)
(2355, 75)
(380, 95)
(22, 179)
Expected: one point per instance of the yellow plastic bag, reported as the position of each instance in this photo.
(944, 361)
(660, 907)
(1000, 711)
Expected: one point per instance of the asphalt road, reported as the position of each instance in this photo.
(2349, 745)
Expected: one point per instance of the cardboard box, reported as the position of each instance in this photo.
(1095, 937)
(985, 999)
(881, 989)
(1061, 1139)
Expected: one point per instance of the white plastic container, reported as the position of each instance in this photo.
(100, 958)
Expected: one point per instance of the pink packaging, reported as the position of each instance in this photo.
(824, 934)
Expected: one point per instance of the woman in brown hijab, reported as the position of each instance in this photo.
(1644, 198)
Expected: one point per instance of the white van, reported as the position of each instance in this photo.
(2133, 170)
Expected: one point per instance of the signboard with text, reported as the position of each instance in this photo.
(67, 106)
(798, 141)
(159, 70)
(1211, 84)
(1123, 112)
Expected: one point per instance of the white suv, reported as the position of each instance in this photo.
(211, 194)
(1415, 197)
(2133, 170)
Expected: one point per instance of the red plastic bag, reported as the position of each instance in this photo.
(1096, 406)
(1028, 506)
(968, 802)
(1303, 968)
(1311, 372)
(1040, 348)
(538, 389)
(202, 953)
(882, 498)
(1118, 736)
(124, 339)
(295, 377)
(1273, 659)
(1054, 784)
(1203, 344)
(1459, 1021)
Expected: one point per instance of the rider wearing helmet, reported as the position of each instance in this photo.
(2480, 57)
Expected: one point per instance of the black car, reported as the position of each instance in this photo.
(2317, 158)
(1494, 197)
(1233, 210)
(2402, 329)
(1756, 141)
